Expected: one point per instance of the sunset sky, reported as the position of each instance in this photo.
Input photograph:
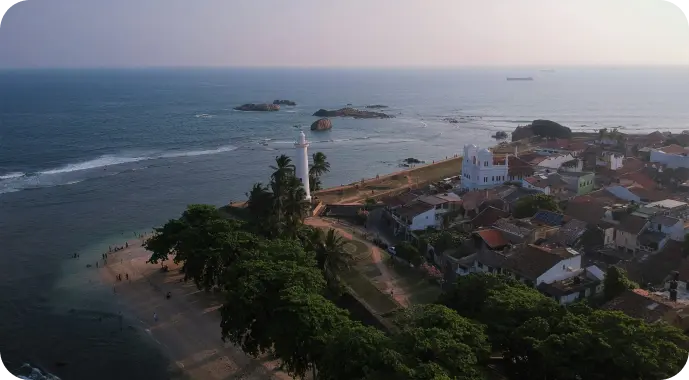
(351, 33)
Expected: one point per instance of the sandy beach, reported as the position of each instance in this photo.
(188, 326)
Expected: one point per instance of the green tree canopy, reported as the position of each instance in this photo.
(529, 206)
(407, 251)
(616, 282)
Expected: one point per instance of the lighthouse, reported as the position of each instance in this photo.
(302, 163)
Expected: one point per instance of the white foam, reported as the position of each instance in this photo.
(12, 175)
(99, 162)
(204, 116)
(193, 153)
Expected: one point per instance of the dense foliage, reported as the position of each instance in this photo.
(529, 206)
(616, 282)
(278, 278)
(550, 129)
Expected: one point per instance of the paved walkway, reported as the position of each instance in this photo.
(387, 277)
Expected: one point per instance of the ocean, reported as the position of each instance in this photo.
(88, 157)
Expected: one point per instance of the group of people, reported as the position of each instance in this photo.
(111, 249)
(119, 276)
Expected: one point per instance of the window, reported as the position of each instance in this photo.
(492, 179)
(480, 265)
(485, 179)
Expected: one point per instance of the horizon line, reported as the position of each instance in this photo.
(321, 67)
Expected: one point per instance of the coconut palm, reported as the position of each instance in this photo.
(320, 166)
(332, 258)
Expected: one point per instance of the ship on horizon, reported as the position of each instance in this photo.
(519, 78)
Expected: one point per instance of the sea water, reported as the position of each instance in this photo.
(88, 157)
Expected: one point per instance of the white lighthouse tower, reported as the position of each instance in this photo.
(302, 163)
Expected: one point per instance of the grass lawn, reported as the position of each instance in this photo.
(415, 284)
(369, 293)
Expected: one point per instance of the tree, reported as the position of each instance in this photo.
(530, 205)
(407, 251)
(320, 166)
(260, 204)
(444, 240)
(616, 282)
(307, 324)
(332, 258)
(254, 289)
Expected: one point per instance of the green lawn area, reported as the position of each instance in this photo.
(415, 284)
(367, 291)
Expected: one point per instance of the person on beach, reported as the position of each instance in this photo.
(155, 317)
(126, 275)
(126, 245)
(96, 264)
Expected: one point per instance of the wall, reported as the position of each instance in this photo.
(626, 240)
(421, 221)
(671, 160)
(609, 237)
(586, 184)
(557, 273)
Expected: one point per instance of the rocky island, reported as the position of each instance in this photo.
(321, 125)
(284, 102)
(258, 107)
(377, 106)
(500, 135)
(541, 128)
(352, 112)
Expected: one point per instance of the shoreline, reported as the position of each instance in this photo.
(187, 329)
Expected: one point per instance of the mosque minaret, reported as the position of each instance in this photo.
(302, 163)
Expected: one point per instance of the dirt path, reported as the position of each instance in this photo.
(188, 325)
(388, 279)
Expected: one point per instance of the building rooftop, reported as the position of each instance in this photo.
(664, 220)
(667, 204)
(575, 174)
(639, 303)
(517, 227)
(548, 218)
(651, 237)
(413, 209)
(488, 217)
(632, 224)
(571, 232)
(432, 200)
(532, 261)
(449, 197)
(673, 149)
(587, 209)
(493, 238)
(581, 280)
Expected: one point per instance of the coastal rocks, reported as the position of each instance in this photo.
(321, 125)
(284, 102)
(451, 120)
(351, 112)
(412, 160)
(541, 128)
(379, 106)
(262, 107)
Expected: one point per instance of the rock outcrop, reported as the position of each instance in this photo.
(284, 102)
(500, 135)
(258, 107)
(321, 125)
(377, 106)
(352, 112)
(451, 120)
(541, 128)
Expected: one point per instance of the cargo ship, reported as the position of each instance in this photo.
(519, 78)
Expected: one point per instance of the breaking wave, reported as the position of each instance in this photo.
(81, 171)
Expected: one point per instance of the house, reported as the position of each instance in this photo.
(610, 160)
(481, 170)
(671, 226)
(650, 307)
(628, 230)
(490, 239)
(570, 233)
(586, 208)
(513, 196)
(518, 231)
(534, 265)
(488, 217)
(623, 193)
(583, 283)
(538, 183)
(554, 162)
(443, 203)
(672, 156)
(393, 202)
(518, 169)
(414, 216)
(579, 182)
(669, 204)
(573, 165)
(548, 218)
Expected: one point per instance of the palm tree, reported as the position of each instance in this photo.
(260, 204)
(283, 168)
(294, 207)
(320, 166)
(333, 258)
(282, 172)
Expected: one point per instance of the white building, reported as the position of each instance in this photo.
(610, 160)
(302, 163)
(480, 170)
(556, 161)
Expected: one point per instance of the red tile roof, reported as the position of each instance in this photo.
(640, 178)
(488, 216)
(673, 149)
(537, 182)
(519, 167)
(493, 238)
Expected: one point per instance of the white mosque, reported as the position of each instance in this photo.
(302, 163)
(480, 170)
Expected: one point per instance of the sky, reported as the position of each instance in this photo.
(342, 33)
